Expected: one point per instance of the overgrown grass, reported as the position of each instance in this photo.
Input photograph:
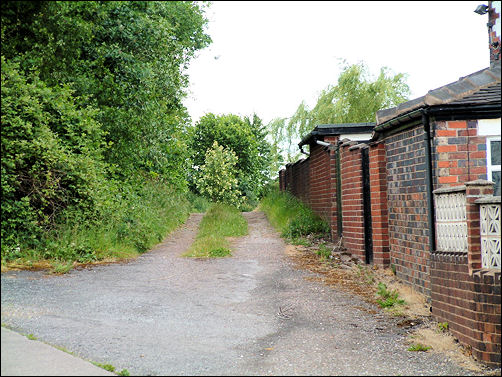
(61, 267)
(219, 222)
(248, 205)
(301, 241)
(199, 203)
(291, 217)
(139, 219)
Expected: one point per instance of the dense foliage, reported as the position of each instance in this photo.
(94, 133)
(243, 136)
(217, 178)
(51, 155)
(355, 98)
(125, 58)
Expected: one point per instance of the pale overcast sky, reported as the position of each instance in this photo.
(266, 57)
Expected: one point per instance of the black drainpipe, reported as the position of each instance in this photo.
(428, 180)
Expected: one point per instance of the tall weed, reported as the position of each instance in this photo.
(291, 217)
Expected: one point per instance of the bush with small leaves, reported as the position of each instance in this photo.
(217, 179)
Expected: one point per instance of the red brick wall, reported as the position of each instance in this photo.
(379, 214)
(486, 287)
(470, 304)
(460, 155)
(300, 185)
(319, 190)
(407, 207)
(321, 185)
(334, 189)
(461, 293)
(352, 200)
(313, 181)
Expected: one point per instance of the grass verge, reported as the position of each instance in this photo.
(291, 217)
(219, 222)
(137, 221)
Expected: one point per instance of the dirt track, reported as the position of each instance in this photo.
(254, 313)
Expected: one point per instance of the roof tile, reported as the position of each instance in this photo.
(479, 87)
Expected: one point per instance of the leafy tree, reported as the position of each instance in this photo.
(128, 58)
(284, 139)
(51, 155)
(355, 98)
(92, 110)
(265, 156)
(217, 179)
(246, 137)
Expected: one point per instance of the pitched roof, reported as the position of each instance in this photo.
(484, 95)
(482, 87)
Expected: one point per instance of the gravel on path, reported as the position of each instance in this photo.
(250, 314)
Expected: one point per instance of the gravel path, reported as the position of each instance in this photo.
(250, 314)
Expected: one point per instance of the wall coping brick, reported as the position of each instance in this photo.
(348, 143)
(445, 190)
(487, 272)
(448, 253)
(480, 182)
(488, 200)
(456, 257)
(358, 146)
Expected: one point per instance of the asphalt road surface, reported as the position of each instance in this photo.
(250, 314)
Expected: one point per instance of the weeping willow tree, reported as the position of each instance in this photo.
(355, 98)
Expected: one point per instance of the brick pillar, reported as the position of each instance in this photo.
(333, 217)
(379, 214)
(475, 190)
(281, 179)
(352, 199)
